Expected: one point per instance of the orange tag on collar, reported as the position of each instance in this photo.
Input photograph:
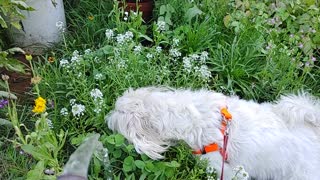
(226, 114)
(207, 149)
(211, 148)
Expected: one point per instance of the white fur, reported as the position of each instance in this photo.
(278, 141)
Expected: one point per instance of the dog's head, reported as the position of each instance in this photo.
(131, 119)
(153, 119)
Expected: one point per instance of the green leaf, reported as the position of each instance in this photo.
(35, 152)
(110, 139)
(16, 24)
(162, 9)
(127, 168)
(149, 167)
(119, 140)
(145, 37)
(140, 164)
(192, 12)
(7, 95)
(107, 49)
(37, 172)
(143, 176)
(117, 153)
(128, 160)
(15, 50)
(173, 164)
(14, 65)
(3, 22)
(4, 122)
(22, 5)
(169, 172)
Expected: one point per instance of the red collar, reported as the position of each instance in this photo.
(226, 117)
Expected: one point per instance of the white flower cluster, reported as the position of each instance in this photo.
(210, 173)
(196, 63)
(161, 26)
(74, 61)
(97, 96)
(87, 51)
(50, 124)
(137, 49)
(174, 52)
(64, 112)
(98, 76)
(158, 49)
(175, 42)
(109, 34)
(122, 64)
(149, 56)
(76, 109)
(124, 38)
(240, 173)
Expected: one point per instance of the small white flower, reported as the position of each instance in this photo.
(204, 56)
(87, 51)
(122, 64)
(161, 26)
(79, 75)
(75, 53)
(128, 35)
(72, 101)
(175, 42)
(109, 34)
(50, 124)
(174, 52)
(64, 63)
(126, 13)
(64, 112)
(97, 60)
(187, 65)
(194, 57)
(98, 76)
(240, 173)
(149, 56)
(209, 170)
(125, 18)
(75, 57)
(97, 110)
(158, 49)
(78, 110)
(204, 72)
(120, 39)
(137, 49)
(96, 94)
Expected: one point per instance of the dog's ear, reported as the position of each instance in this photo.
(135, 125)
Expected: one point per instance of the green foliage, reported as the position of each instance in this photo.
(10, 63)
(253, 49)
(10, 12)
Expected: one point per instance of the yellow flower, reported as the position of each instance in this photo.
(40, 105)
(51, 59)
(28, 57)
(91, 18)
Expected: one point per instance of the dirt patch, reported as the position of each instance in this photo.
(20, 83)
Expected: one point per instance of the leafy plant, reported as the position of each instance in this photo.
(10, 12)
(11, 63)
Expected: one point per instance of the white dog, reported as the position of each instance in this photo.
(273, 141)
